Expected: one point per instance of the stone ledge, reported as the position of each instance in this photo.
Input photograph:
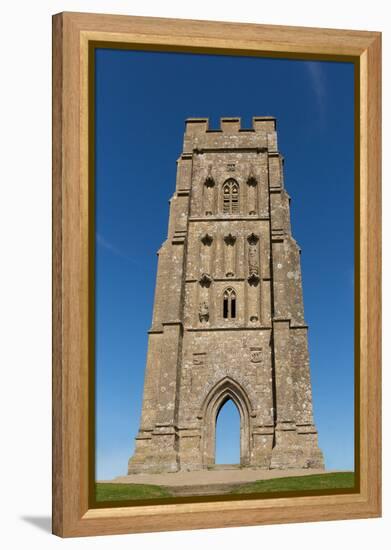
(211, 329)
(217, 218)
(225, 149)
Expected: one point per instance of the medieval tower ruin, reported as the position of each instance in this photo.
(228, 320)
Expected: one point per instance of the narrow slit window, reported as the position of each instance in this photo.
(225, 307)
(233, 307)
(229, 304)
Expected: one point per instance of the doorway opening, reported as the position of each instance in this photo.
(227, 435)
(226, 390)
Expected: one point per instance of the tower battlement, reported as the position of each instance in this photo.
(230, 135)
(262, 124)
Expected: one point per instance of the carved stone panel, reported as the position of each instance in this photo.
(209, 193)
(199, 359)
(206, 249)
(253, 259)
(252, 193)
(256, 355)
(203, 312)
(230, 241)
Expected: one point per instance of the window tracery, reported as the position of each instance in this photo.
(229, 303)
(231, 197)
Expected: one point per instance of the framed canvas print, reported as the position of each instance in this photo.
(234, 378)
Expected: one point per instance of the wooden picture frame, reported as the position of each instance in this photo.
(73, 34)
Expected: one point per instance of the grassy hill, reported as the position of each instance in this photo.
(334, 480)
(121, 491)
(114, 492)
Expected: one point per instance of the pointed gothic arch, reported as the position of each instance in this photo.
(227, 388)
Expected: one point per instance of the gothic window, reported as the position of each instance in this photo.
(231, 197)
(229, 304)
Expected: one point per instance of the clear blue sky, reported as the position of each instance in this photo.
(142, 100)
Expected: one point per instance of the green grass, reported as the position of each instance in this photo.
(336, 480)
(115, 492)
(120, 491)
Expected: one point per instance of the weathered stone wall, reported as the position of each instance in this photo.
(228, 319)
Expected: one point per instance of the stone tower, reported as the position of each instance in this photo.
(228, 319)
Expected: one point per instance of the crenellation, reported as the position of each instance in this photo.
(264, 124)
(230, 125)
(195, 126)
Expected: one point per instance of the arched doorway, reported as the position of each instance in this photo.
(227, 434)
(223, 391)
